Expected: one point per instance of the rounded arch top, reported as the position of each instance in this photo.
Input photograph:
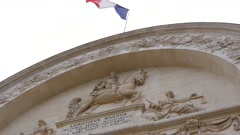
(211, 46)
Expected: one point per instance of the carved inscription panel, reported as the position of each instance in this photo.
(102, 123)
(97, 124)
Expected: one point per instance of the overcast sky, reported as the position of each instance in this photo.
(33, 30)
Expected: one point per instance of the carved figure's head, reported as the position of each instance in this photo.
(41, 123)
(169, 94)
(113, 75)
(140, 77)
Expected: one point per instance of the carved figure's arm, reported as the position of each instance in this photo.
(50, 131)
(36, 130)
(183, 100)
(164, 102)
(100, 85)
(153, 105)
(192, 97)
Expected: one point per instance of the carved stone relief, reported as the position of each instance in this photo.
(153, 133)
(110, 85)
(157, 133)
(73, 107)
(194, 126)
(236, 124)
(108, 91)
(224, 46)
(103, 122)
(172, 107)
(43, 129)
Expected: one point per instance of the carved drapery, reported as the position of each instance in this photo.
(195, 126)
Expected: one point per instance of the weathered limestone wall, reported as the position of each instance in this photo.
(192, 61)
(219, 92)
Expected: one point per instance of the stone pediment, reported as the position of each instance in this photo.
(189, 85)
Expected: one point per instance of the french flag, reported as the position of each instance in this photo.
(122, 12)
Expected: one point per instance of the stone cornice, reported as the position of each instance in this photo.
(182, 36)
(128, 36)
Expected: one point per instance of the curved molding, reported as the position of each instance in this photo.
(213, 39)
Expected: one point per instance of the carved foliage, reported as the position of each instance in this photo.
(194, 126)
(225, 45)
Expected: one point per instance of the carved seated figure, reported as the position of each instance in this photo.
(43, 129)
(109, 85)
(109, 91)
(172, 107)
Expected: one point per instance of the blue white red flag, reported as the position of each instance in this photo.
(122, 12)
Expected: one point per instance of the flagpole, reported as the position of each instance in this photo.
(126, 22)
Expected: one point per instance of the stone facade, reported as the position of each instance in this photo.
(180, 79)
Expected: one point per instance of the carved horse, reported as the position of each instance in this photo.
(125, 91)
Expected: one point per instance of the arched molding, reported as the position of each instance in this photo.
(209, 46)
